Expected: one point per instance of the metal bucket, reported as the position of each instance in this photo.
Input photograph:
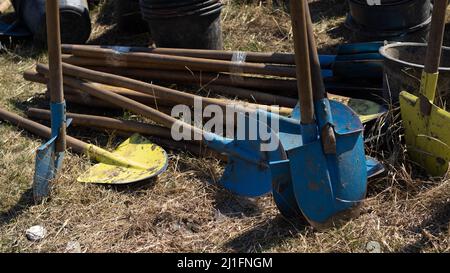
(75, 19)
(184, 23)
(403, 66)
(394, 20)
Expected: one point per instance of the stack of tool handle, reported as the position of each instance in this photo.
(355, 71)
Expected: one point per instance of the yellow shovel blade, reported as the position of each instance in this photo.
(134, 160)
(367, 110)
(427, 137)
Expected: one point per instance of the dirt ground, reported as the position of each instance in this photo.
(405, 211)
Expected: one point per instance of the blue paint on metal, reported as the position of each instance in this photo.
(291, 137)
(326, 61)
(373, 166)
(58, 117)
(327, 73)
(373, 56)
(251, 172)
(357, 48)
(329, 184)
(338, 109)
(352, 52)
(246, 178)
(283, 191)
(45, 169)
(296, 113)
(353, 66)
(323, 113)
(344, 120)
(289, 131)
(247, 172)
(48, 161)
(358, 69)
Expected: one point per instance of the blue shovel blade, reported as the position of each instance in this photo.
(257, 179)
(283, 191)
(325, 186)
(47, 166)
(374, 167)
(248, 172)
(291, 137)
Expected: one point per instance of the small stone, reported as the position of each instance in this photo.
(219, 217)
(373, 247)
(36, 233)
(73, 247)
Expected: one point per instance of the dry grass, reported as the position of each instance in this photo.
(181, 211)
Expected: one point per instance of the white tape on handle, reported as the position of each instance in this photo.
(114, 59)
(237, 59)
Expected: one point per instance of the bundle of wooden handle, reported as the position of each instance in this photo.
(161, 98)
(263, 79)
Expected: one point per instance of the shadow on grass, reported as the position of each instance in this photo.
(25, 201)
(114, 36)
(266, 235)
(107, 16)
(437, 224)
(106, 13)
(235, 206)
(326, 10)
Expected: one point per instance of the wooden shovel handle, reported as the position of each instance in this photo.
(316, 73)
(55, 65)
(251, 57)
(433, 57)
(304, 84)
(180, 62)
(129, 104)
(327, 132)
(40, 130)
(106, 123)
(54, 51)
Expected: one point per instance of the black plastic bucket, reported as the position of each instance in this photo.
(129, 17)
(403, 66)
(184, 23)
(396, 20)
(75, 19)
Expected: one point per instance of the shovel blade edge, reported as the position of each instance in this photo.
(427, 136)
(47, 166)
(250, 178)
(326, 186)
(136, 159)
(282, 189)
